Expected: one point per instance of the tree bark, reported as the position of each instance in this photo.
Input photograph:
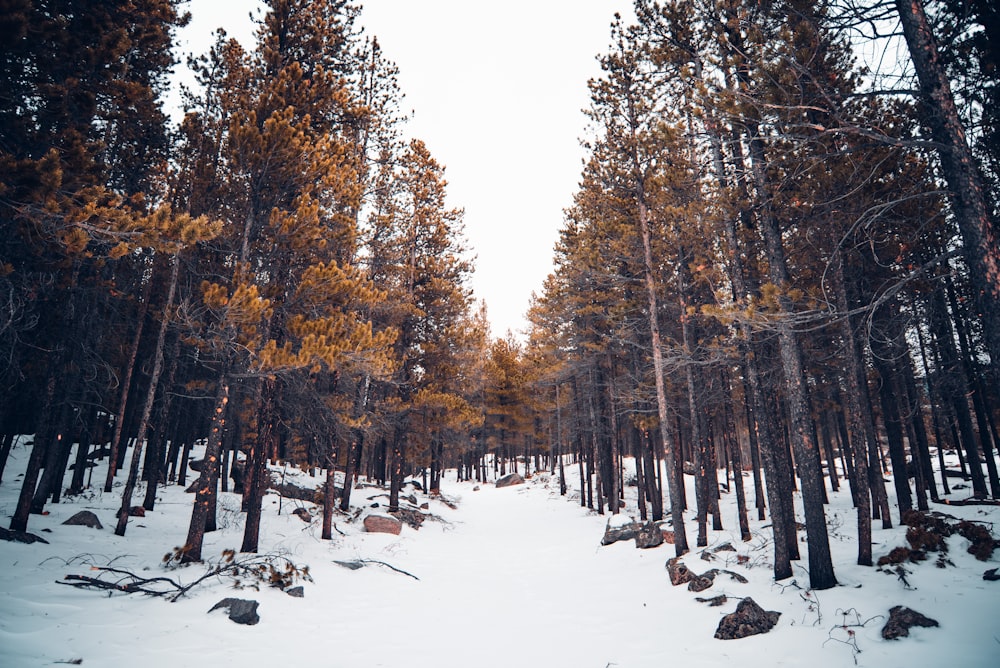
(147, 409)
(981, 246)
(209, 477)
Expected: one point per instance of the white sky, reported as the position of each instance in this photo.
(496, 91)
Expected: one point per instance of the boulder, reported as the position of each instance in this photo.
(749, 620)
(383, 524)
(510, 479)
(648, 535)
(613, 534)
(702, 582)
(137, 511)
(296, 592)
(901, 620)
(679, 573)
(241, 610)
(302, 514)
(85, 518)
(991, 575)
(412, 518)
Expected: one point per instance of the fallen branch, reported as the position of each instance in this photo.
(382, 563)
(274, 570)
(359, 563)
(971, 501)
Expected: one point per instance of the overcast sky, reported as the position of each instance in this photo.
(496, 91)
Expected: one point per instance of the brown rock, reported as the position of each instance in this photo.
(302, 514)
(668, 536)
(713, 602)
(413, 518)
(648, 535)
(703, 581)
(901, 620)
(137, 511)
(383, 524)
(679, 573)
(749, 619)
(85, 518)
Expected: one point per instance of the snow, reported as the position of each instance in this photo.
(512, 576)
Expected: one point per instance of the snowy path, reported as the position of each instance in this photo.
(522, 582)
(515, 578)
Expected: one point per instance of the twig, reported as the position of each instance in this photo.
(382, 563)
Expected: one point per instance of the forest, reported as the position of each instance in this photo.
(782, 260)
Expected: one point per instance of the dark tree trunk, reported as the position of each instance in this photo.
(821, 574)
(255, 471)
(209, 478)
(981, 247)
(858, 437)
(123, 401)
(19, 521)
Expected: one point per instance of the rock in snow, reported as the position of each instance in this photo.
(679, 573)
(241, 610)
(510, 479)
(648, 535)
(901, 620)
(383, 524)
(85, 518)
(749, 620)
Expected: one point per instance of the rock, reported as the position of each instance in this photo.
(648, 535)
(425, 506)
(302, 514)
(383, 524)
(413, 518)
(991, 575)
(307, 494)
(137, 511)
(412, 498)
(679, 573)
(725, 547)
(713, 602)
(749, 619)
(296, 592)
(668, 536)
(20, 537)
(85, 518)
(476, 488)
(626, 531)
(702, 582)
(510, 479)
(350, 565)
(901, 620)
(241, 610)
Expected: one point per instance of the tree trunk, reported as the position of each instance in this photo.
(821, 574)
(116, 438)
(981, 247)
(854, 376)
(147, 409)
(208, 479)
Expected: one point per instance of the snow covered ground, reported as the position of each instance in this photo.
(510, 577)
